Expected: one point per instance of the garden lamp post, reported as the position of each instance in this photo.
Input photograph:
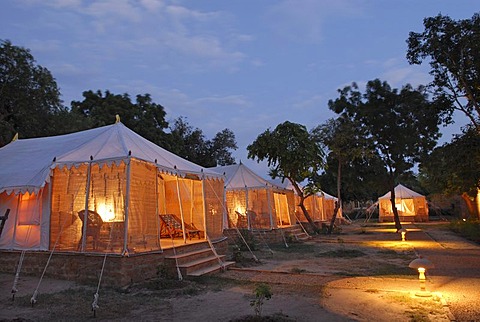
(403, 232)
(421, 264)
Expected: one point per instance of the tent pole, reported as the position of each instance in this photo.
(16, 222)
(164, 196)
(157, 218)
(225, 216)
(127, 202)
(181, 210)
(246, 207)
(49, 212)
(192, 195)
(270, 208)
(204, 206)
(85, 214)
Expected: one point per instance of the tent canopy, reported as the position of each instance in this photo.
(402, 192)
(26, 164)
(253, 202)
(410, 205)
(239, 176)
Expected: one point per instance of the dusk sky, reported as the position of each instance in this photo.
(246, 65)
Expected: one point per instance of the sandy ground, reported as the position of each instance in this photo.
(360, 275)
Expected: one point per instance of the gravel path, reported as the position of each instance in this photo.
(457, 269)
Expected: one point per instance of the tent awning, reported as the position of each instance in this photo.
(402, 192)
(25, 164)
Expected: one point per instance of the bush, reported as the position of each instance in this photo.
(262, 292)
(249, 239)
(469, 229)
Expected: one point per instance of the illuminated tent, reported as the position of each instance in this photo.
(102, 190)
(411, 205)
(320, 206)
(253, 202)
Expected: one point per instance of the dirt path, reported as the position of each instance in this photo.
(359, 275)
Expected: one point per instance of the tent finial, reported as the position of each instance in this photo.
(117, 118)
(15, 138)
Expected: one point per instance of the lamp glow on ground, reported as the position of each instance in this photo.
(403, 232)
(421, 264)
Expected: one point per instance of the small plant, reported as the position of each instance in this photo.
(298, 270)
(237, 255)
(248, 238)
(262, 292)
(469, 229)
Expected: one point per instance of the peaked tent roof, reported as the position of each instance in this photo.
(25, 164)
(239, 176)
(402, 192)
(288, 185)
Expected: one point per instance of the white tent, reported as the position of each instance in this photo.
(411, 205)
(47, 183)
(320, 206)
(253, 202)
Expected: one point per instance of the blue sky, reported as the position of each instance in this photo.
(246, 65)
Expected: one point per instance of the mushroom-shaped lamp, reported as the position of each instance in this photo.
(421, 264)
(403, 231)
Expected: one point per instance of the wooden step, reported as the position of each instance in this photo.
(187, 257)
(211, 269)
(197, 264)
(194, 261)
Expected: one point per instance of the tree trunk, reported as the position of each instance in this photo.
(472, 209)
(396, 218)
(338, 203)
(315, 228)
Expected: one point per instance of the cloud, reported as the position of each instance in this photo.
(398, 73)
(304, 20)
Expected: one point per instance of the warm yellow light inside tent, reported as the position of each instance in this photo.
(240, 210)
(27, 196)
(106, 211)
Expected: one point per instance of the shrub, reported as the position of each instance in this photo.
(262, 292)
(469, 229)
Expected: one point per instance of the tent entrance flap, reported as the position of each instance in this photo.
(281, 209)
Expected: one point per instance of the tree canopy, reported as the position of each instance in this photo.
(454, 51)
(292, 153)
(453, 167)
(401, 126)
(345, 144)
(29, 95)
(143, 116)
(191, 144)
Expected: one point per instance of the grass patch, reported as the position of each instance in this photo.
(373, 291)
(294, 248)
(469, 229)
(342, 253)
(297, 270)
(388, 269)
(419, 309)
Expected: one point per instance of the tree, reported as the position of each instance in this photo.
(294, 154)
(453, 168)
(221, 145)
(191, 144)
(144, 116)
(401, 126)
(363, 179)
(345, 144)
(29, 96)
(454, 50)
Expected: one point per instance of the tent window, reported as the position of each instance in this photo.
(28, 213)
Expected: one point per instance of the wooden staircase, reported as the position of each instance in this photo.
(196, 261)
(298, 234)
